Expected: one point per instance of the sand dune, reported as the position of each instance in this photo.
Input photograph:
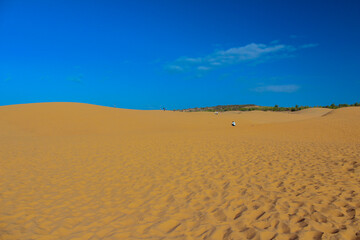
(273, 117)
(80, 171)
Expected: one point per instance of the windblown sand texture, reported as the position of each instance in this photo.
(79, 171)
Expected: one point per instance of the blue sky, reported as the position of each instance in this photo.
(180, 54)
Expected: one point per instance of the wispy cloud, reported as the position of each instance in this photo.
(251, 53)
(275, 42)
(7, 79)
(203, 68)
(278, 88)
(294, 36)
(174, 68)
(76, 79)
(310, 45)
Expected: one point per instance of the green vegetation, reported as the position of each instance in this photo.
(252, 107)
(333, 106)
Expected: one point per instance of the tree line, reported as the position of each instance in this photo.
(252, 107)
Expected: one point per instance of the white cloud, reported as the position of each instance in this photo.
(203, 68)
(174, 68)
(278, 88)
(76, 79)
(297, 36)
(191, 60)
(310, 45)
(253, 53)
(250, 53)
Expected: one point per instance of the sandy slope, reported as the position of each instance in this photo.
(78, 171)
(273, 117)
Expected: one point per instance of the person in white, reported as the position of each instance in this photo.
(233, 123)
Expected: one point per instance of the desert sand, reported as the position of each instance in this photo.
(80, 171)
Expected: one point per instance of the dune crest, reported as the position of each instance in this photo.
(80, 171)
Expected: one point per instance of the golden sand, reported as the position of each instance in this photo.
(79, 171)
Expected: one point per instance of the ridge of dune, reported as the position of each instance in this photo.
(274, 117)
(345, 113)
(80, 171)
(314, 111)
(80, 116)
